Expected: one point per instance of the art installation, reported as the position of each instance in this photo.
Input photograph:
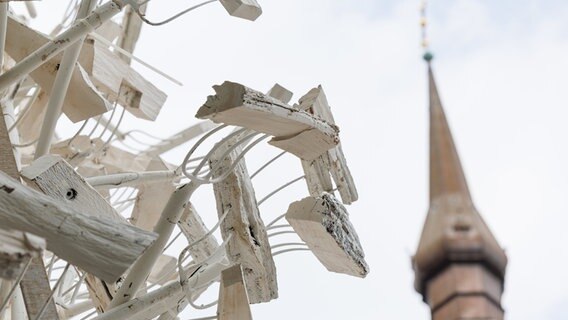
(85, 219)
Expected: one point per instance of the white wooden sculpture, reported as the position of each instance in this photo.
(295, 131)
(94, 224)
(323, 223)
(249, 244)
(16, 250)
(233, 299)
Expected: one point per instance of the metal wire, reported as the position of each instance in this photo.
(142, 16)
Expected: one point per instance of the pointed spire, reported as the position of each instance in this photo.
(446, 173)
(454, 234)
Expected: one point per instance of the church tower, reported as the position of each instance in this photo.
(459, 266)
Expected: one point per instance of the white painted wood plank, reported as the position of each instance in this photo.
(194, 229)
(249, 244)
(83, 101)
(56, 178)
(151, 198)
(295, 131)
(16, 248)
(233, 299)
(34, 285)
(119, 81)
(246, 9)
(318, 171)
(279, 92)
(100, 246)
(323, 224)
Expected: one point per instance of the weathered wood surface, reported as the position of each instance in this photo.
(34, 285)
(180, 138)
(118, 80)
(295, 131)
(280, 93)
(151, 198)
(99, 246)
(16, 248)
(82, 101)
(75, 150)
(194, 229)
(246, 9)
(117, 160)
(249, 244)
(323, 224)
(131, 27)
(333, 161)
(162, 271)
(56, 178)
(30, 125)
(233, 299)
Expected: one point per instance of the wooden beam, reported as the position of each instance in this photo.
(117, 160)
(151, 198)
(16, 248)
(120, 81)
(249, 244)
(82, 101)
(131, 27)
(34, 285)
(295, 131)
(333, 161)
(280, 93)
(246, 9)
(100, 246)
(233, 299)
(194, 229)
(56, 178)
(323, 224)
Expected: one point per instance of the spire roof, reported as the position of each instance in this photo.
(446, 173)
(454, 232)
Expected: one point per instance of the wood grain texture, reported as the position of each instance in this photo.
(34, 285)
(295, 131)
(82, 100)
(56, 178)
(331, 162)
(323, 224)
(16, 248)
(194, 229)
(249, 244)
(233, 299)
(245, 9)
(151, 198)
(100, 246)
(121, 82)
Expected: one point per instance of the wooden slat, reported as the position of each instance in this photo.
(16, 248)
(233, 299)
(194, 229)
(246, 9)
(82, 101)
(249, 244)
(333, 161)
(100, 246)
(295, 131)
(34, 285)
(323, 223)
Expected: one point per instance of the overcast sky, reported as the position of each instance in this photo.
(502, 72)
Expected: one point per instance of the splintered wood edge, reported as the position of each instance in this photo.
(323, 223)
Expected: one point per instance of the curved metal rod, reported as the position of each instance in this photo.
(288, 250)
(279, 189)
(268, 163)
